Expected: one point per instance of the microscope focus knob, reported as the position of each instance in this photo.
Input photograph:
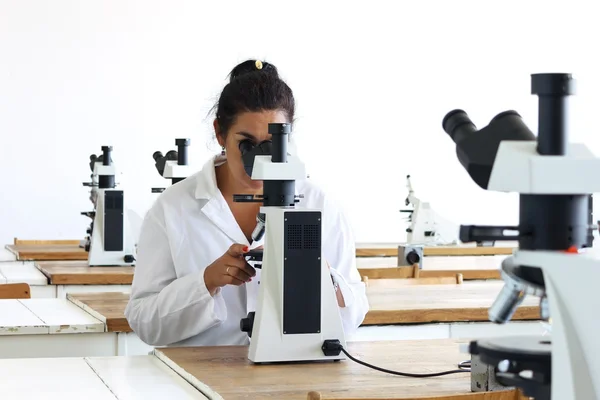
(247, 323)
(413, 258)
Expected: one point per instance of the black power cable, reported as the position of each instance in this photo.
(332, 346)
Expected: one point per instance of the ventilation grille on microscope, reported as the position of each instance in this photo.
(303, 237)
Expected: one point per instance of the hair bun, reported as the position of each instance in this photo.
(252, 66)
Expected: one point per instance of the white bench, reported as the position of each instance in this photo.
(51, 328)
(110, 378)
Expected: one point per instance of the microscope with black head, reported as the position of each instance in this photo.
(297, 316)
(554, 259)
(173, 165)
(110, 241)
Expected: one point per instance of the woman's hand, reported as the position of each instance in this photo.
(229, 269)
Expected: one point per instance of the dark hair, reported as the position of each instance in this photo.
(253, 86)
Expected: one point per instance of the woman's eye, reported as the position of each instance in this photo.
(245, 146)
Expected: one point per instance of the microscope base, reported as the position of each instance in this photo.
(520, 361)
(297, 309)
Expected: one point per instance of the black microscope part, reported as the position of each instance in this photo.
(180, 155)
(249, 151)
(182, 151)
(552, 91)
(477, 149)
(519, 353)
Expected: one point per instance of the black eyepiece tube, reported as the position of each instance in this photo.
(157, 155)
(182, 153)
(458, 125)
(552, 90)
(279, 134)
(106, 155)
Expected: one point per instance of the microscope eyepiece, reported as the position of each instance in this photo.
(157, 155)
(458, 125)
(503, 115)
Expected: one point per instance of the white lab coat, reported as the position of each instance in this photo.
(190, 226)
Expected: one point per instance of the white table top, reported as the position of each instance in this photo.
(122, 378)
(51, 379)
(17, 272)
(45, 316)
(7, 255)
(142, 377)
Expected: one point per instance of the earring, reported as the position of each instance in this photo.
(222, 150)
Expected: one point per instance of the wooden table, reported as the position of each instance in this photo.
(107, 307)
(225, 372)
(391, 250)
(94, 378)
(420, 304)
(80, 273)
(42, 252)
(471, 267)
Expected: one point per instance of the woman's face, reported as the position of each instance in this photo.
(252, 126)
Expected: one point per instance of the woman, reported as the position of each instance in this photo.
(192, 285)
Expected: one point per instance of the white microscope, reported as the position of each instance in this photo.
(426, 226)
(174, 164)
(555, 180)
(110, 240)
(297, 314)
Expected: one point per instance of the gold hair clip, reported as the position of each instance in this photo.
(258, 64)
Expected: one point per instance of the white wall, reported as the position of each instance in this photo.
(373, 81)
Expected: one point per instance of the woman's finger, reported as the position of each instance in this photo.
(239, 273)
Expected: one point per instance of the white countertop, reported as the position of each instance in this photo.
(122, 378)
(18, 272)
(7, 255)
(45, 316)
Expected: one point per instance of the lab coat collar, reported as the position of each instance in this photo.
(216, 208)
(206, 180)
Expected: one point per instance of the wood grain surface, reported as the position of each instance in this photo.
(225, 372)
(45, 242)
(471, 267)
(15, 291)
(469, 301)
(437, 251)
(38, 252)
(421, 304)
(79, 273)
(107, 307)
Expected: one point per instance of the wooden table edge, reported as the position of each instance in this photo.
(438, 251)
(468, 274)
(189, 378)
(112, 325)
(508, 394)
(443, 315)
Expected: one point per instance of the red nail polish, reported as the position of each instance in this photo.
(245, 249)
